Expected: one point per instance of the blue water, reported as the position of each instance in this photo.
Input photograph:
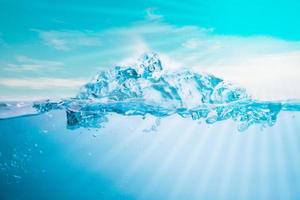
(142, 132)
(41, 159)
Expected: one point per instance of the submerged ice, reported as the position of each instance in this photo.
(147, 88)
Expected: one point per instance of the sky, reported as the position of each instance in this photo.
(48, 49)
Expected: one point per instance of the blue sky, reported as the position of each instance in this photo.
(50, 48)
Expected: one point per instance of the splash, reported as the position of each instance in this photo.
(146, 88)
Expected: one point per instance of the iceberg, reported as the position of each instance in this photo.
(146, 88)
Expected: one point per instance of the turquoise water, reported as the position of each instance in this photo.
(42, 159)
(139, 132)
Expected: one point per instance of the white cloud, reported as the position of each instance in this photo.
(151, 15)
(194, 43)
(68, 40)
(266, 77)
(191, 44)
(41, 83)
(24, 63)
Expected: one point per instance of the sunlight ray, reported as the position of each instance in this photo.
(121, 146)
(195, 156)
(208, 171)
(281, 161)
(290, 142)
(169, 161)
(264, 165)
(150, 149)
(246, 165)
(227, 170)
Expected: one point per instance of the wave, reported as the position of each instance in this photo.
(146, 88)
